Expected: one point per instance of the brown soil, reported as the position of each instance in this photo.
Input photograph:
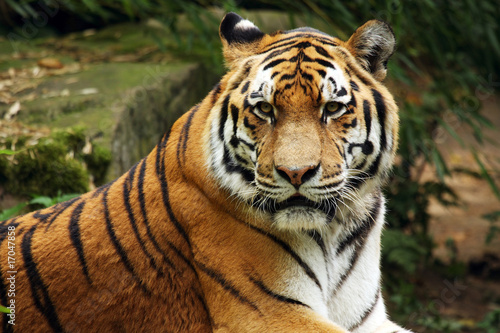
(466, 226)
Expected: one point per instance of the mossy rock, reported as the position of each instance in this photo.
(130, 107)
(59, 163)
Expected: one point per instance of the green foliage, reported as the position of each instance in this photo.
(11, 212)
(7, 152)
(38, 201)
(436, 323)
(493, 218)
(491, 322)
(46, 201)
(3, 309)
(402, 252)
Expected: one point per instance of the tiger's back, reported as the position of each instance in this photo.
(259, 211)
(97, 262)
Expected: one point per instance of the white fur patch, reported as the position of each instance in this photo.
(244, 25)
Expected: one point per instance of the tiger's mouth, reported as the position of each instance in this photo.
(297, 202)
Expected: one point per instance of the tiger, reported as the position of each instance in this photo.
(259, 210)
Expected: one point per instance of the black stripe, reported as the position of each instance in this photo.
(248, 125)
(340, 150)
(274, 63)
(216, 92)
(354, 86)
(286, 76)
(321, 73)
(306, 76)
(381, 113)
(367, 312)
(223, 117)
(118, 246)
(316, 236)
(246, 104)
(353, 123)
(226, 285)
(162, 177)
(368, 120)
(367, 146)
(322, 51)
(62, 208)
(75, 236)
(332, 81)
(291, 252)
(324, 63)
(361, 76)
(142, 204)
(250, 146)
(102, 188)
(232, 166)
(234, 115)
(127, 186)
(39, 290)
(359, 236)
(296, 38)
(362, 231)
(284, 42)
(320, 96)
(201, 299)
(42, 217)
(373, 169)
(245, 87)
(184, 136)
(352, 104)
(274, 295)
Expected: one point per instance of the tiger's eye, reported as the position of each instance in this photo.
(332, 106)
(265, 107)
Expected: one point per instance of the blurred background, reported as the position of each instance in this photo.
(88, 87)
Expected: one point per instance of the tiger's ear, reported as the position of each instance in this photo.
(240, 37)
(372, 44)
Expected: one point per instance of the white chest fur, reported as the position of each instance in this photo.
(341, 276)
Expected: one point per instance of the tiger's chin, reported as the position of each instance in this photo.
(297, 212)
(301, 218)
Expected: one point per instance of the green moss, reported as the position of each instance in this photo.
(97, 163)
(60, 163)
(44, 169)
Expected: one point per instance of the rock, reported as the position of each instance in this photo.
(125, 107)
(50, 63)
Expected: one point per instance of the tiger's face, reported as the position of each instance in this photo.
(305, 129)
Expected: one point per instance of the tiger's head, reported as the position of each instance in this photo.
(304, 130)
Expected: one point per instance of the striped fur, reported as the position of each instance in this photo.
(259, 211)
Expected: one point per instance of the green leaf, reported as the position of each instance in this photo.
(452, 132)
(4, 309)
(486, 175)
(439, 163)
(64, 197)
(42, 200)
(11, 212)
(18, 8)
(7, 152)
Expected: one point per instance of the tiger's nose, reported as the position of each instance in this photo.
(297, 176)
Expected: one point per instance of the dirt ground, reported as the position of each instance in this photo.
(479, 291)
